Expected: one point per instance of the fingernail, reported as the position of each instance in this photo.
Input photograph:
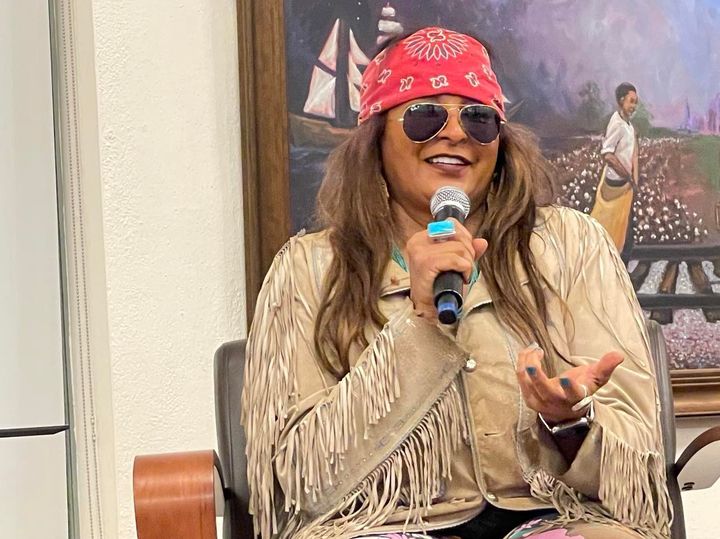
(565, 382)
(532, 371)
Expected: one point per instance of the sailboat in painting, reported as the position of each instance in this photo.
(334, 97)
(333, 100)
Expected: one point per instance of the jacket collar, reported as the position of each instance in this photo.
(396, 280)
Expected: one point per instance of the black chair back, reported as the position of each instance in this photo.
(667, 422)
(229, 371)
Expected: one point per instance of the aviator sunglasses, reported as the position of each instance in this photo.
(423, 121)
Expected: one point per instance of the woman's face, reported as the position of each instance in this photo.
(414, 171)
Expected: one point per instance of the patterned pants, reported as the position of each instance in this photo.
(534, 529)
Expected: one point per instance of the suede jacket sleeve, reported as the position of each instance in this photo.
(621, 461)
(313, 440)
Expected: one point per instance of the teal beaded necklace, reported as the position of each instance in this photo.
(400, 260)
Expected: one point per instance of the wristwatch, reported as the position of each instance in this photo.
(573, 427)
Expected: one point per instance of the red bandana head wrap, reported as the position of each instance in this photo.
(432, 61)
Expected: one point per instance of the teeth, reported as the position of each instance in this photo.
(444, 160)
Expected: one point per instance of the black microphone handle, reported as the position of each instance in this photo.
(447, 292)
(448, 286)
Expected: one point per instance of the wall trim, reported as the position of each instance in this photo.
(85, 305)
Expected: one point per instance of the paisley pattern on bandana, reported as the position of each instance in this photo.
(436, 44)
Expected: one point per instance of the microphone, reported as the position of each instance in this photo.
(447, 290)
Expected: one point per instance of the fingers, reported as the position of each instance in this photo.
(594, 375)
(539, 391)
(453, 262)
(462, 235)
(574, 390)
(480, 245)
(427, 258)
(529, 367)
(556, 397)
(445, 257)
(525, 374)
(457, 252)
(604, 368)
(552, 397)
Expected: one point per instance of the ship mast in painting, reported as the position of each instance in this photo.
(333, 99)
(330, 95)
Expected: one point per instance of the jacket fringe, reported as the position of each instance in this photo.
(633, 487)
(632, 491)
(316, 446)
(409, 479)
(269, 365)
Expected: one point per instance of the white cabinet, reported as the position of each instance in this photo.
(33, 487)
(33, 474)
(31, 370)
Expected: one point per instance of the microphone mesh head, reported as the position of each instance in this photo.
(450, 196)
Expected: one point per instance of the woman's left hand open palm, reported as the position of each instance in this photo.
(555, 397)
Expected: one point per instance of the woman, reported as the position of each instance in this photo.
(366, 416)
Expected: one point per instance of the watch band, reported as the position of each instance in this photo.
(573, 426)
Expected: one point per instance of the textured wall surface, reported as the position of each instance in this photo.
(167, 87)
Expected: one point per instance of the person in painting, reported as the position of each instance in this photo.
(534, 415)
(614, 198)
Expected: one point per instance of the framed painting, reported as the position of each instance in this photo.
(561, 65)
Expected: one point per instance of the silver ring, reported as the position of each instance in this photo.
(584, 402)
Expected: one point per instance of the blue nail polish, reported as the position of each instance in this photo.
(565, 382)
(532, 371)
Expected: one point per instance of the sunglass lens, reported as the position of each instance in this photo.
(423, 121)
(481, 122)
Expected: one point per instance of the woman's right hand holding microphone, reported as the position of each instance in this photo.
(427, 258)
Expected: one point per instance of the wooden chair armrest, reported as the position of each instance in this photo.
(699, 465)
(177, 495)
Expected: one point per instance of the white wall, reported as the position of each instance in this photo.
(702, 518)
(168, 118)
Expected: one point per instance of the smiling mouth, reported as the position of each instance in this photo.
(447, 160)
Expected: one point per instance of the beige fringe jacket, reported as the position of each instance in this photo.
(429, 425)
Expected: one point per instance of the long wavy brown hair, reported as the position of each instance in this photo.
(352, 206)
